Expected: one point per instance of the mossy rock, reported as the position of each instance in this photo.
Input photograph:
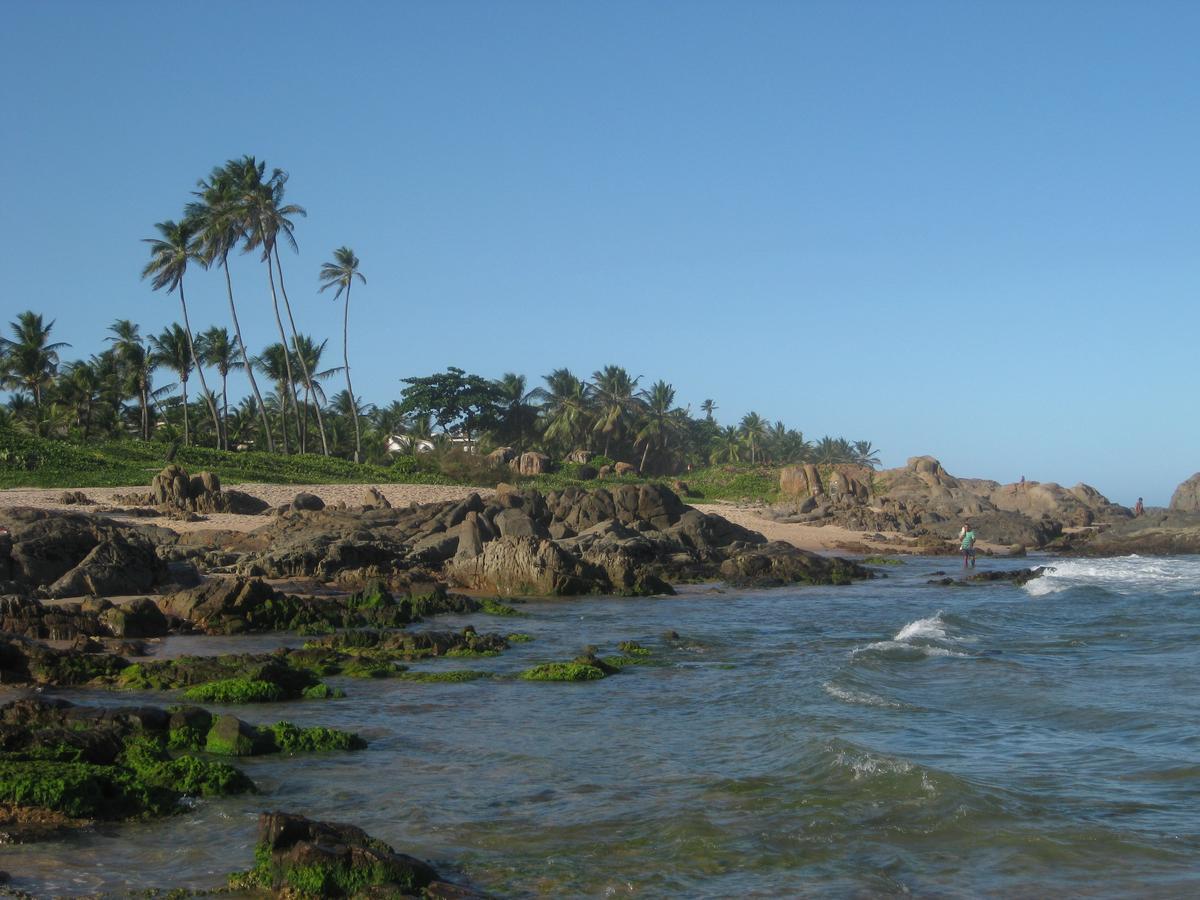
(571, 671)
(289, 738)
(235, 690)
(453, 676)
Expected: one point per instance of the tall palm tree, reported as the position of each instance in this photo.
(216, 349)
(173, 350)
(865, 454)
(708, 407)
(613, 391)
(567, 409)
(133, 359)
(340, 273)
(264, 219)
(79, 387)
(170, 254)
(660, 421)
(30, 359)
(220, 215)
(754, 432)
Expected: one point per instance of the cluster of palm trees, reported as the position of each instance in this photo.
(240, 206)
(611, 415)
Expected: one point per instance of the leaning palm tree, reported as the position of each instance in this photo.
(30, 359)
(220, 216)
(613, 391)
(173, 350)
(216, 349)
(340, 273)
(754, 432)
(264, 218)
(865, 454)
(170, 254)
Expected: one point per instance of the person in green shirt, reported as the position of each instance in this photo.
(967, 537)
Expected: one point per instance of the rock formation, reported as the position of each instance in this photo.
(1186, 498)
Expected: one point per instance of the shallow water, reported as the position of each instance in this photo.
(886, 737)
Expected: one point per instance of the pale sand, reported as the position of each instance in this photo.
(822, 539)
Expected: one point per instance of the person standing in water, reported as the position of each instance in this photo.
(967, 543)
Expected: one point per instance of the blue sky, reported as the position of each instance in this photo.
(965, 229)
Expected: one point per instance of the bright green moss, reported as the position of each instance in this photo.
(455, 675)
(289, 738)
(562, 672)
(633, 648)
(235, 690)
(519, 637)
(494, 607)
(322, 691)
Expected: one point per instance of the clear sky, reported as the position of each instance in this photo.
(961, 228)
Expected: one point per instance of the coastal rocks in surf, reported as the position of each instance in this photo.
(779, 563)
(334, 860)
(1010, 576)
(92, 617)
(67, 554)
(1158, 533)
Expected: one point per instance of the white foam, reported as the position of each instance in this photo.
(921, 637)
(860, 698)
(933, 629)
(1122, 574)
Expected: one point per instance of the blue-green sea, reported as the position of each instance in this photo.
(886, 738)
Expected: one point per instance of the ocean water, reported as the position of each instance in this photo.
(890, 737)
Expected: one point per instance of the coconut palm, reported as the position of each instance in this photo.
(708, 407)
(307, 352)
(220, 217)
(613, 391)
(567, 408)
(79, 387)
(173, 350)
(518, 413)
(30, 359)
(830, 451)
(865, 454)
(340, 273)
(660, 421)
(753, 428)
(218, 350)
(272, 363)
(133, 360)
(170, 254)
(727, 446)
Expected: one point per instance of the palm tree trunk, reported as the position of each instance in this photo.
(308, 383)
(349, 387)
(287, 356)
(187, 437)
(144, 394)
(224, 431)
(187, 328)
(645, 453)
(262, 410)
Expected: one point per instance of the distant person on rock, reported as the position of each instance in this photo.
(1138, 509)
(967, 543)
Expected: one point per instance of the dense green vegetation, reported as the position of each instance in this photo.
(108, 420)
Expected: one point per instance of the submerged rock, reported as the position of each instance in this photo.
(779, 563)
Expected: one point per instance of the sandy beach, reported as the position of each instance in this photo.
(828, 539)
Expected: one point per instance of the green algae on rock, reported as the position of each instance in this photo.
(571, 671)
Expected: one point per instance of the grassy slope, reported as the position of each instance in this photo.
(26, 461)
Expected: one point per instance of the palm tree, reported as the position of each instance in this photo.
(216, 349)
(272, 363)
(264, 219)
(173, 350)
(79, 388)
(865, 454)
(170, 254)
(340, 273)
(660, 421)
(220, 217)
(518, 413)
(754, 433)
(830, 451)
(567, 411)
(613, 390)
(30, 360)
(134, 363)
(308, 353)
(728, 446)
(708, 407)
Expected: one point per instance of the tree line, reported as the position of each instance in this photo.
(240, 207)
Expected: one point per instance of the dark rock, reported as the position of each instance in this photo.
(373, 499)
(307, 502)
(139, 618)
(779, 563)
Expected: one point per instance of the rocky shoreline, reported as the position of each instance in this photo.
(86, 595)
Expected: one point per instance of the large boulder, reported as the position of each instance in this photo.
(800, 481)
(174, 488)
(531, 463)
(779, 563)
(526, 565)
(1187, 496)
(122, 564)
